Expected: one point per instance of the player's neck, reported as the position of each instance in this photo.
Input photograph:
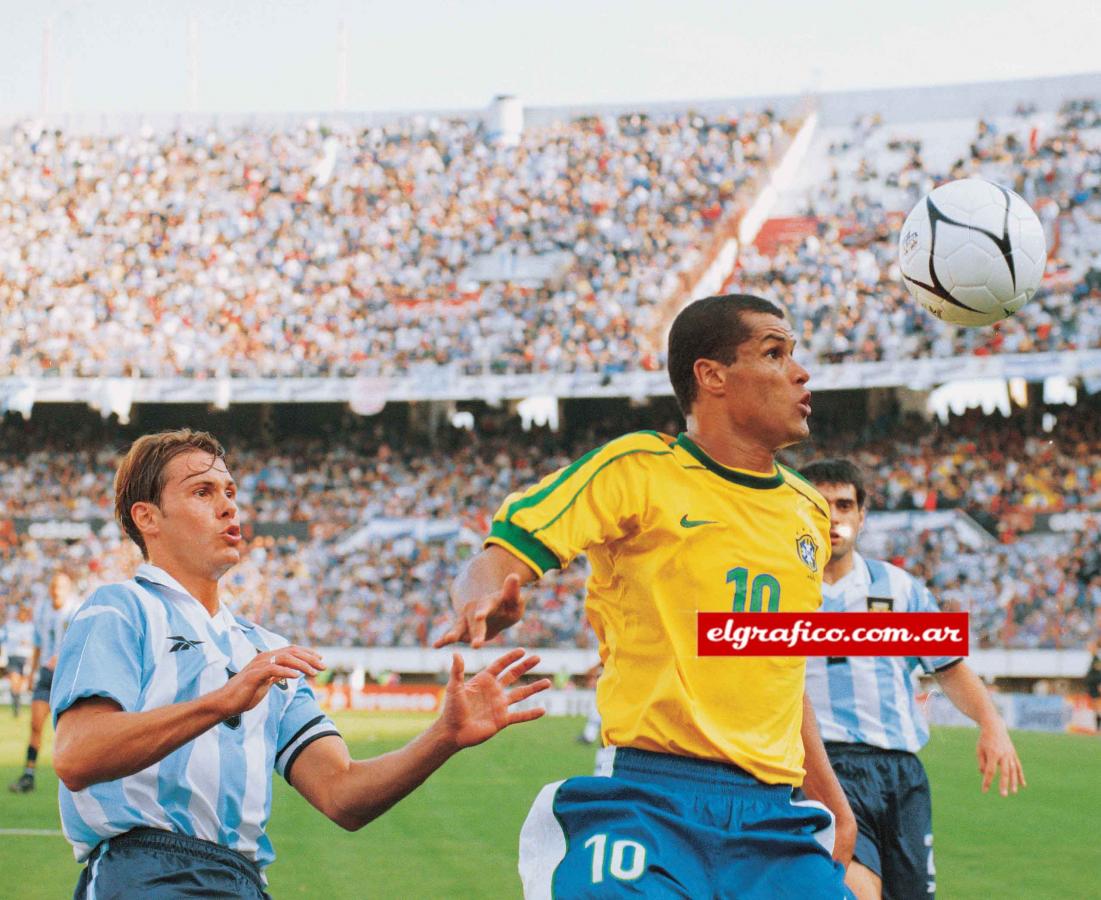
(199, 586)
(838, 567)
(722, 444)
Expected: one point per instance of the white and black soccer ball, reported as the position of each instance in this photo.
(972, 252)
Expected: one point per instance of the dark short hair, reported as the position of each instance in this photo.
(711, 328)
(140, 476)
(836, 471)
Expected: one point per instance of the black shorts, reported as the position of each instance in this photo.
(17, 665)
(160, 865)
(43, 684)
(889, 794)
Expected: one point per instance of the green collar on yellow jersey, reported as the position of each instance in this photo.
(761, 482)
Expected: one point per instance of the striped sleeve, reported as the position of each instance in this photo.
(301, 724)
(597, 499)
(101, 652)
(922, 600)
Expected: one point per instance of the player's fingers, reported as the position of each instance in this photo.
(525, 715)
(527, 690)
(476, 626)
(1004, 778)
(303, 653)
(988, 773)
(1020, 771)
(1018, 775)
(502, 662)
(281, 673)
(458, 668)
(452, 635)
(521, 668)
(283, 660)
(510, 590)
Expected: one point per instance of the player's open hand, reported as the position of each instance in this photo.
(249, 686)
(995, 751)
(483, 619)
(475, 710)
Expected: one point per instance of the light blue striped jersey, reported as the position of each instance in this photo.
(49, 626)
(147, 643)
(18, 639)
(870, 699)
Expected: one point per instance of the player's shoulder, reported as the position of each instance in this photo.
(260, 636)
(120, 599)
(800, 485)
(902, 583)
(634, 448)
(638, 442)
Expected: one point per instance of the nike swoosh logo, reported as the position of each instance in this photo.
(693, 523)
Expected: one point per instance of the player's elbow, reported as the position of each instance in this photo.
(347, 817)
(70, 770)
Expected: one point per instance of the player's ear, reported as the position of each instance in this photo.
(147, 518)
(710, 376)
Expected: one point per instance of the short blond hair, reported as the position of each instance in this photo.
(140, 476)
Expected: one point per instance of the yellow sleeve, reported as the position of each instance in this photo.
(594, 500)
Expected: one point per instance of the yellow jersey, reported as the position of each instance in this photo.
(670, 532)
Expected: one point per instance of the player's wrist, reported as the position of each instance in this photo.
(442, 739)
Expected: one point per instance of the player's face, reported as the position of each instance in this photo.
(198, 525)
(61, 589)
(769, 397)
(846, 517)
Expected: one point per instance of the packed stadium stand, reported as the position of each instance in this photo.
(416, 269)
(357, 531)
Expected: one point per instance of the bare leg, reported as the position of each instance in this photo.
(863, 882)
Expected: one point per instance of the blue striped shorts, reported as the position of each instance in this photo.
(664, 826)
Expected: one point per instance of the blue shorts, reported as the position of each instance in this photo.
(42, 685)
(889, 793)
(160, 865)
(664, 826)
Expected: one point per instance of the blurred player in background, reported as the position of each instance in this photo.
(1093, 682)
(18, 649)
(172, 713)
(868, 714)
(590, 732)
(702, 753)
(50, 619)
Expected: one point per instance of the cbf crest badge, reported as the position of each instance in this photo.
(808, 551)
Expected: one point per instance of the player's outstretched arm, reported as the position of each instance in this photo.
(98, 741)
(821, 784)
(995, 749)
(354, 792)
(486, 597)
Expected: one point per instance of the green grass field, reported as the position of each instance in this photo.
(456, 837)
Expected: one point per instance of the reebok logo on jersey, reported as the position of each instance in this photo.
(695, 523)
(182, 643)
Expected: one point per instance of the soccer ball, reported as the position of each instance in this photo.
(972, 252)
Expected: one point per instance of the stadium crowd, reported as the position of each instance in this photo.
(314, 252)
(384, 526)
(321, 251)
(841, 282)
